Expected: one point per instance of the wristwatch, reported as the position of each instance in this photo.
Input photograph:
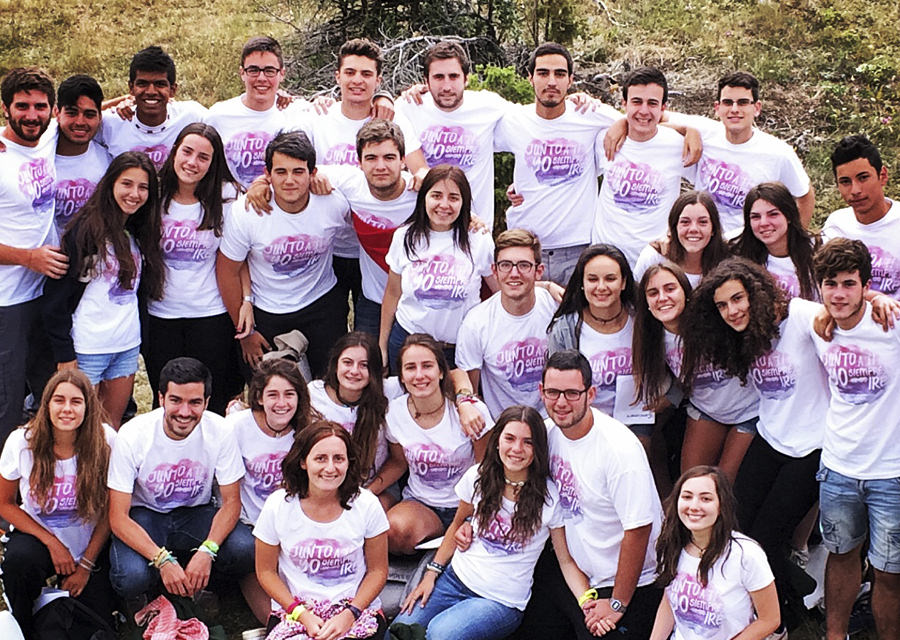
(617, 606)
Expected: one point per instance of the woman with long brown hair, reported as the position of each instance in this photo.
(58, 463)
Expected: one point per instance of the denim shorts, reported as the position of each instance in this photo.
(747, 426)
(108, 366)
(444, 514)
(850, 508)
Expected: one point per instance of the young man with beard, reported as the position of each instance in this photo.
(161, 472)
(29, 244)
(859, 476)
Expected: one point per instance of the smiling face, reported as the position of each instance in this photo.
(443, 202)
(733, 303)
(79, 122)
(192, 159)
(643, 110)
(67, 407)
(353, 371)
(28, 116)
(694, 228)
(770, 227)
(737, 110)
(290, 180)
(183, 406)
(516, 284)
(259, 87)
(551, 80)
(131, 189)
(698, 504)
(844, 298)
(326, 464)
(152, 92)
(358, 79)
(516, 449)
(420, 373)
(603, 286)
(279, 402)
(566, 413)
(665, 298)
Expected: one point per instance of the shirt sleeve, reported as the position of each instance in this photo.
(465, 488)
(469, 351)
(410, 138)
(229, 465)
(755, 571)
(264, 529)
(235, 243)
(396, 257)
(9, 459)
(630, 485)
(122, 467)
(375, 516)
(792, 174)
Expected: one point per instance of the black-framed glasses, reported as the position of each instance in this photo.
(568, 394)
(269, 72)
(524, 267)
(743, 102)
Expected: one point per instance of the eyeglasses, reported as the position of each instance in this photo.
(269, 72)
(569, 394)
(743, 102)
(524, 267)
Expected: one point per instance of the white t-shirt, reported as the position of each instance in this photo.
(189, 255)
(245, 134)
(862, 432)
(334, 136)
(605, 488)
(792, 386)
(464, 138)
(106, 319)
(713, 391)
(610, 357)
(262, 455)
(882, 238)
(119, 135)
(509, 350)
(723, 608)
(76, 179)
(649, 257)
(728, 171)
(27, 176)
(440, 283)
(163, 474)
(374, 222)
(437, 457)
(61, 517)
(493, 566)
(289, 253)
(639, 187)
(555, 171)
(321, 560)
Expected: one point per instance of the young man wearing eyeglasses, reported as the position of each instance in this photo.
(611, 513)
(249, 121)
(502, 341)
(157, 118)
(737, 156)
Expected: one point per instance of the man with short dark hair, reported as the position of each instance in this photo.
(29, 244)
(80, 162)
(555, 170)
(161, 474)
(871, 217)
(157, 118)
(502, 341)
(289, 256)
(642, 182)
(737, 156)
(611, 513)
(860, 467)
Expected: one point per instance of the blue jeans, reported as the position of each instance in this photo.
(367, 317)
(849, 508)
(180, 530)
(455, 612)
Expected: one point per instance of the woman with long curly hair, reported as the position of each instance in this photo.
(774, 237)
(694, 241)
(321, 548)
(58, 463)
(717, 581)
(724, 407)
(91, 313)
(513, 505)
(190, 319)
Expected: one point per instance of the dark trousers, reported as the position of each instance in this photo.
(26, 362)
(210, 340)
(349, 283)
(26, 567)
(774, 492)
(321, 322)
(553, 611)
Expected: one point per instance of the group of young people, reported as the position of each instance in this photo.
(514, 394)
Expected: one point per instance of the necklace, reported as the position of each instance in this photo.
(702, 550)
(418, 414)
(277, 432)
(346, 403)
(515, 485)
(606, 320)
